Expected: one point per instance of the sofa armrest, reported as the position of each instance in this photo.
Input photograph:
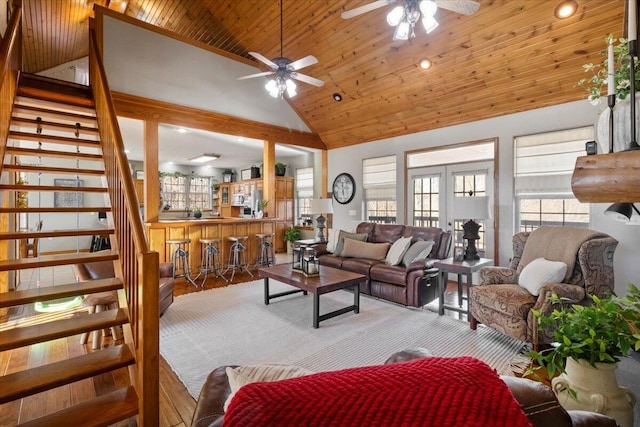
(591, 419)
(166, 269)
(497, 275)
(573, 293)
(210, 407)
(321, 248)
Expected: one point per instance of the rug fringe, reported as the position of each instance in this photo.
(520, 362)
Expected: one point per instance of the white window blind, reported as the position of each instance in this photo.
(304, 190)
(304, 179)
(544, 162)
(379, 178)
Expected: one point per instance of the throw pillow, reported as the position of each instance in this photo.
(539, 272)
(248, 374)
(357, 249)
(418, 251)
(346, 235)
(332, 239)
(399, 247)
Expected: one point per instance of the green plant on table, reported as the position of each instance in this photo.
(602, 332)
(291, 235)
(262, 204)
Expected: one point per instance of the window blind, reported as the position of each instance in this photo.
(304, 179)
(379, 178)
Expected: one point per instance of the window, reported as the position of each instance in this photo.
(426, 201)
(185, 191)
(466, 185)
(542, 170)
(304, 192)
(379, 182)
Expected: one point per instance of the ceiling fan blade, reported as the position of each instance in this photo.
(307, 79)
(301, 63)
(251, 76)
(464, 7)
(262, 58)
(366, 8)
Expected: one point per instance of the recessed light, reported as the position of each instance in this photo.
(181, 130)
(566, 9)
(126, 151)
(337, 97)
(240, 139)
(204, 158)
(425, 63)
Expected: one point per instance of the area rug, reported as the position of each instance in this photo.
(233, 326)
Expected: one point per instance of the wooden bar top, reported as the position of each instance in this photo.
(161, 223)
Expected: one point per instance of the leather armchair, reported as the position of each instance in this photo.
(499, 302)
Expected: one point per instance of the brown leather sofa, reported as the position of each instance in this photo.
(411, 285)
(537, 400)
(104, 270)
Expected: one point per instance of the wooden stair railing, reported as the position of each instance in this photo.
(10, 62)
(139, 265)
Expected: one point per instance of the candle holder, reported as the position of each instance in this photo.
(296, 264)
(310, 263)
(611, 101)
(633, 49)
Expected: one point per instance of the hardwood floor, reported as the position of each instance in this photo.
(176, 405)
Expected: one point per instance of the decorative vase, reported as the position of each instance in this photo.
(596, 390)
(621, 126)
(259, 214)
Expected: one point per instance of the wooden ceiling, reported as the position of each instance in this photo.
(510, 56)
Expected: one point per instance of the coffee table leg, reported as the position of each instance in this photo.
(316, 310)
(356, 298)
(442, 283)
(266, 291)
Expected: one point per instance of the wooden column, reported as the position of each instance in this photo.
(269, 176)
(151, 174)
(325, 173)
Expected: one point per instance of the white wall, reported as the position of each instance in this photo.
(505, 128)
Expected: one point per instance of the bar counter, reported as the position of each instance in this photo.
(206, 228)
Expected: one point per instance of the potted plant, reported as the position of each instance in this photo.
(197, 213)
(281, 169)
(590, 340)
(291, 234)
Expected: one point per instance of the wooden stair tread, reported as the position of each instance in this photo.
(54, 114)
(99, 412)
(27, 187)
(35, 380)
(57, 85)
(21, 121)
(51, 260)
(10, 235)
(29, 136)
(35, 101)
(28, 296)
(51, 169)
(49, 209)
(17, 151)
(27, 335)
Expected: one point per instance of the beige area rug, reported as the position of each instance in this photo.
(232, 326)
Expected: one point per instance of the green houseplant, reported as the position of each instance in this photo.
(197, 213)
(291, 234)
(281, 169)
(590, 340)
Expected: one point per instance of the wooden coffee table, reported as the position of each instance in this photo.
(329, 280)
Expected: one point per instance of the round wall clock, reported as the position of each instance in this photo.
(344, 188)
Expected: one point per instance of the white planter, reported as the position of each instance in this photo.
(597, 391)
(621, 126)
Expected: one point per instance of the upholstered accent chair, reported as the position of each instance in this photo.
(501, 303)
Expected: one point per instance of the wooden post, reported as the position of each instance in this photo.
(269, 176)
(151, 174)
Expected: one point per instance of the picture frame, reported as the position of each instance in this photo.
(68, 199)
(139, 174)
(245, 174)
(458, 253)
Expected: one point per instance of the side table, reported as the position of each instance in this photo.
(466, 268)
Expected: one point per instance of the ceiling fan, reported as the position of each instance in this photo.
(404, 17)
(284, 71)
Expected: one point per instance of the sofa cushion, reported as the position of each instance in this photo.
(331, 260)
(539, 272)
(360, 265)
(346, 235)
(386, 233)
(394, 274)
(397, 250)
(417, 251)
(355, 248)
(513, 301)
(243, 375)
(389, 395)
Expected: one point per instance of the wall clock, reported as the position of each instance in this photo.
(344, 188)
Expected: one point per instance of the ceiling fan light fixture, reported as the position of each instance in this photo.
(403, 31)
(429, 23)
(291, 88)
(428, 7)
(272, 88)
(395, 16)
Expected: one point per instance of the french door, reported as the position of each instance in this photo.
(430, 195)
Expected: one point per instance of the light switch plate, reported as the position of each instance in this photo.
(352, 212)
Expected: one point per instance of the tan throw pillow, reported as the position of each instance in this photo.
(539, 272)
(399, 247)
(357, 249)
(418, 251)
(346, 235)
(243, 375)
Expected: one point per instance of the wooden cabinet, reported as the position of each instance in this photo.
(139, 183)
(284, 210)
(225, 195)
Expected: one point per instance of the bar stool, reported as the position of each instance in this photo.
(180, 259)
(210, 262)
(97, 303)
(266, 256)
(237, 256)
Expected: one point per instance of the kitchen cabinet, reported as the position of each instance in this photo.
(139, 186)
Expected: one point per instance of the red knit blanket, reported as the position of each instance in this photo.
(433, 391)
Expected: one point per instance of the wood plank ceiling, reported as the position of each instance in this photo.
(510, 56)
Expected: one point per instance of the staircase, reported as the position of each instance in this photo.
(59, 130)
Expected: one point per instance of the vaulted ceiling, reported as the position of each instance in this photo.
(510, 56)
